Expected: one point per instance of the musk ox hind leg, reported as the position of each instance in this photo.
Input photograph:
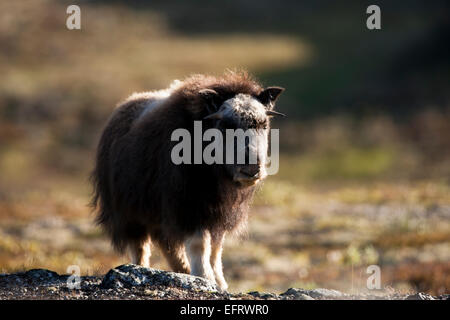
(175, 254)
(199, 252)
(140, 251)
(217, 240)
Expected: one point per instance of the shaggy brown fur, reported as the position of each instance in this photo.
(139, 192)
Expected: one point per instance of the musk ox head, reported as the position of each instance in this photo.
(244, 121)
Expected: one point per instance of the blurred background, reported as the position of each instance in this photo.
(365, 165)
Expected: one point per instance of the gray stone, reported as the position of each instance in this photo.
(131, 275)
(325, 293)
(42, 274)
(319, 293)
(420, 296)
(263, 295)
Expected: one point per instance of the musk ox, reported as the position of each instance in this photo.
(142, 196)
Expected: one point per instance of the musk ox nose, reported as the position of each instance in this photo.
(251, 171)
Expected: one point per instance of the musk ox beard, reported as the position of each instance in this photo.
(142, 197)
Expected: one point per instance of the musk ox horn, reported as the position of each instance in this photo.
(216, 115)
(274, 113)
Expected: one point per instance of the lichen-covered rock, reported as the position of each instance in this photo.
(264, 295)
(130, 275)
(136, 282)
(320, 293)
(420, 296)
(42, 275)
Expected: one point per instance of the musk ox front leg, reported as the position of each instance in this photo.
(216, 259)
(199, 252)
(140, 252)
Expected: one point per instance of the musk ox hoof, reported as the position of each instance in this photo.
(223, 286)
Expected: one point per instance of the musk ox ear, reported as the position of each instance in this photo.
(269, 95)
(211, 98)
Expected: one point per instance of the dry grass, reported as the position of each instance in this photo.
(297, 237)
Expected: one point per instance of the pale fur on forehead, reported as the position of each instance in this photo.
(244, 106)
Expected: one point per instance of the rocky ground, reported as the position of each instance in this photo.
(296, 238)
(135, 282)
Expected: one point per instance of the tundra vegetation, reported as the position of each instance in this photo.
(365, 154)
